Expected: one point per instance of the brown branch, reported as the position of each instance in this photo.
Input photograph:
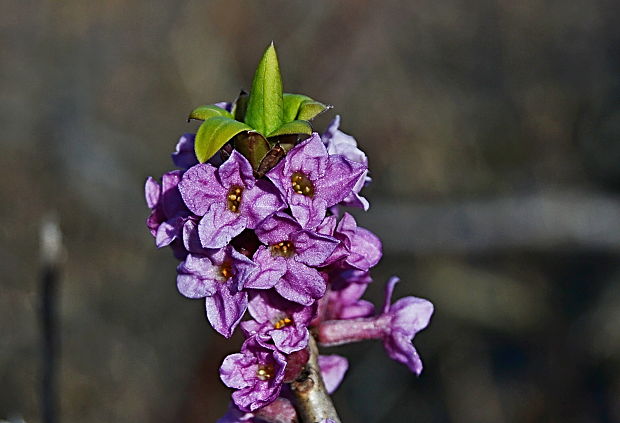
(312, 401)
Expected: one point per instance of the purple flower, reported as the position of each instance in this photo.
(311, 180)
(408, 316)
(234, 415)
(333, 367)
(359, 248)
(287, 262)
(341, 278)
(257, 374)
(279, 321)
(184, 155)
(344, 300)
(280, 410)
(226, 105)
(168, 213)
(337, 142)
(218, 277)
(228, 198)
(396, 326)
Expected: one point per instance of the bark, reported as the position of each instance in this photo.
(311, 399)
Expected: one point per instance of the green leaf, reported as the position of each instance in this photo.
(301, 107)
(294, 127)
(253, 146)
(214, 133)
(206, 112)
(240, 106)
(264, 112)
(310, 109)
(292, 102)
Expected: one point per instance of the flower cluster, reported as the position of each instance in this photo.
(272, 243)
(277, 248)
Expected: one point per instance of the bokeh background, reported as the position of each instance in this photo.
(493, 131)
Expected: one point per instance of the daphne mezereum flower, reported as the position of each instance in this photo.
(278, 322)
(287, 262)
(228, 198)
(345, 293)
(337, 142)
(280, 410)
(256, 372)
(218, 277)
(359, 248)
(311, 180)
(396, 326)
(234, 415)
(184, 156)
(168, 212)
(333, 367)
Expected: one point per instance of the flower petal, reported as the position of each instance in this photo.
(399, 347)
(301, 284)
(389, 290)
(236, 170)
(191, 240)
(308, 157)
(225, 310)
(267, 305)
(168, 231)
(340, 177)
(290, 338)
(184, 155)
(337, 142)
(200, 188)
(333, 367)
(278, 227)
(231, 371)
(358, 309)
(196, 277)
(309, 212)
(312, 248)
(219, 225)
(261, 202)
(270, 270)
(244, 268)
(234, 415)
(366, 249)
(170, 196)
(152, 191)
(411, 315)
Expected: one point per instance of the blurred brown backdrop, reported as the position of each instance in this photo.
(493, 130)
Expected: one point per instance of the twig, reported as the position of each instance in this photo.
(51, 252)
(312, 401)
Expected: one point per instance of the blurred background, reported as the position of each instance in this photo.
(493, 131)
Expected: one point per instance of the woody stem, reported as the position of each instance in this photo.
(311, 399)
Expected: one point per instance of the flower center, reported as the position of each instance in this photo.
(233, 198)
(283, 249)
(302, 185)
(226, 270)
(265, 372)
(283, 322)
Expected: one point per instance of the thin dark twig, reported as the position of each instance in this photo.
(51, 251)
